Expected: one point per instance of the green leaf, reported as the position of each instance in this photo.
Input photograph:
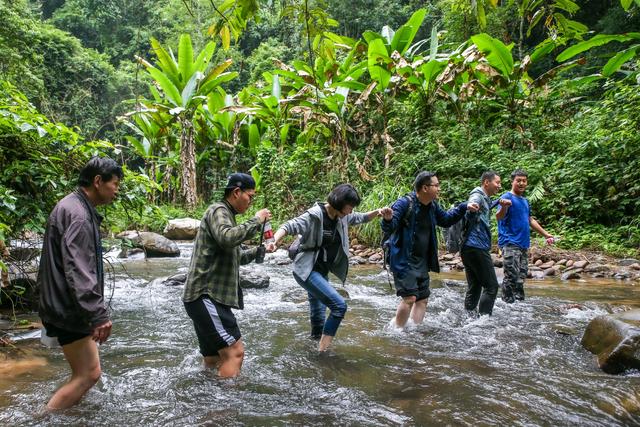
(166, 61)
(167, 86)
(408, 31)
(431, 70)
(626, 4)
(543, 49)
(185, 58)
(284, 132)
(254, 137)
(190, 88)
(618, 60)
(377, 63)
(204, 57)
(498, 55)
(598, 40)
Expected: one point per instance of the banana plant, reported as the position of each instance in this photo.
(183, 86)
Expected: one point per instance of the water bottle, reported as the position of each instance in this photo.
(267, 233)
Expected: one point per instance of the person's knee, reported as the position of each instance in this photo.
(340, 309)
(409, 300)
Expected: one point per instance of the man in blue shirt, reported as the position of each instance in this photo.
(514, 224)
(482, 283)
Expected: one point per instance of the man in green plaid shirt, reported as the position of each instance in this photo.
(213, 282)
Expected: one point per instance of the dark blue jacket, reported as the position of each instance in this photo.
(401, 240)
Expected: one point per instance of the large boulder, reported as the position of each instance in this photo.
(248, 279)
(615, 339)
(181, 229)
(154, 244)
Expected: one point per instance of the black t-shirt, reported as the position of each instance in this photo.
(422, 234)
(330, 243)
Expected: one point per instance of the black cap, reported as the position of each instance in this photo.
(241, 181)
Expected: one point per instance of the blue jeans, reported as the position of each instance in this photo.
(322, 296)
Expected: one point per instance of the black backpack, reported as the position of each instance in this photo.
(457, 234)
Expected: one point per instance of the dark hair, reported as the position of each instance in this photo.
(423, 178)
(518, 172)
(239, 180)
(342, 195)
(103, 166)
(490, 175)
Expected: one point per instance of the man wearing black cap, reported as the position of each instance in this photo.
(212, 288)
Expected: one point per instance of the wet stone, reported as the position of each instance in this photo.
(627, 262)
(355, 260)
(547, 265)
(538, 263)
(562, 262)
(570, 275)
(569, 263)
(549, 272)
(596, 268)
(615, 339)
(580, 264)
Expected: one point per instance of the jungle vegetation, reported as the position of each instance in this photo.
(305, 94)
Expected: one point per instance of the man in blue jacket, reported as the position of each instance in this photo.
(413, 244)
(482, 283)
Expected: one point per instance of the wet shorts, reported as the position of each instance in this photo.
(64, 336)
(411, 285)
(215, 325)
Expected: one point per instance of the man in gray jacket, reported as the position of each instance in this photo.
(71, 279)
(482, 284)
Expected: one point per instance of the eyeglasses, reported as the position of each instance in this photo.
(251, 196)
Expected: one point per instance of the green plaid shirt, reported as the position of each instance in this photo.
(216, 259)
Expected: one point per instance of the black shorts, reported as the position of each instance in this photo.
(215, 325)
(64, 336)
(412, 285)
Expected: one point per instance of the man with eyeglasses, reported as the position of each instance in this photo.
(413, 244)
(212, 288)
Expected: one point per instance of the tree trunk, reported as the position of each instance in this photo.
(188, 191)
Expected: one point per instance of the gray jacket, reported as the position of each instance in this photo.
(309, 226)
(70, 278)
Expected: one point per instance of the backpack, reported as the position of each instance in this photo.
(386, 236)
(456, 235)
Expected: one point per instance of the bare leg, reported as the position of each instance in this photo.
(212, 362)
(84, 359)
(403, 311)
(418, 311)
(231, 360)
(325, 341)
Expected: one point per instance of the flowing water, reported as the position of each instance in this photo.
(522, 366)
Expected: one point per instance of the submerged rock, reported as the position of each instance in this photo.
(615, 339)
(248, 280)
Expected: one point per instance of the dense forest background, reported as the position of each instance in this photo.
(305, 94)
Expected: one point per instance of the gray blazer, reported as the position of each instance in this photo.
(309, 227)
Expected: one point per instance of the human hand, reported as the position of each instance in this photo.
(386, 213)
(473, 207)
(263, 215)
(504, 202)
(271, 247)
(102, 332)
(551, 240)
